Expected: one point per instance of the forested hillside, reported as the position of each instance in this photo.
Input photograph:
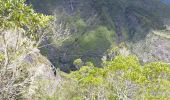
(84, 50)
(94, 26)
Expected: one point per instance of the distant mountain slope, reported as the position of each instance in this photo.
(119, 20)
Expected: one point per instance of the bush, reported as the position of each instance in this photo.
(121, 78)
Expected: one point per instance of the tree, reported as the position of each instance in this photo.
(120, 78)
(15, 14)
(158, 76)
(21, 29)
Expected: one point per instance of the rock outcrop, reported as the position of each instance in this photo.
(155, 47)
(24, 72)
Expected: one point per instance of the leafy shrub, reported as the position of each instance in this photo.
(121, 78)
(16, 14)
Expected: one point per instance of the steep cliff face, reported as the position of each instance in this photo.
(23, 69)
(124, 20)
(155, 47)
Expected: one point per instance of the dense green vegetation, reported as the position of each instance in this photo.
(124, 20)
(21, 29)
(16, 14)
(122, 78)
(88, 48)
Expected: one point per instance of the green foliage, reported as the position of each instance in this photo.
(158, 76)
(78, 62)
(127, 67)
(157, 70)
(99, 38)
(81, 25)
(1, 57)
(125, 63)
(88, 75)
(121, 78)
(16, 14)
(20, 29)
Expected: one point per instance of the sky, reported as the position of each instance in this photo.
(167, 1)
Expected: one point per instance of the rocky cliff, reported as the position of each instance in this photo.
(23, 69)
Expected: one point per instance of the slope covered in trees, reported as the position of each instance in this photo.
(94, 41)
(96, 25)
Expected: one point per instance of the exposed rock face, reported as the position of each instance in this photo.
(42, 78)
(154, 48)
(24, 72)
